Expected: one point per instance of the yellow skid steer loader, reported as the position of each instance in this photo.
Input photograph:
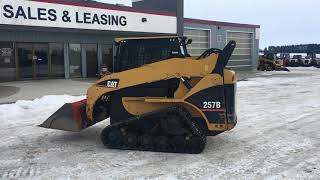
(159, 98)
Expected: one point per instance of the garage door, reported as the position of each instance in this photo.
(200, 41)
(242, 56)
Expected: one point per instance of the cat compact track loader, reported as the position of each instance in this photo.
(270, 62)
(159, 98)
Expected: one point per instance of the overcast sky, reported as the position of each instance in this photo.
(282, 21)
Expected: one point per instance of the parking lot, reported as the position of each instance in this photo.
(277, 137)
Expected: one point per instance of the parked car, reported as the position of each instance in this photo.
(295, 61)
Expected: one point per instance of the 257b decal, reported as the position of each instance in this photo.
(211, 105)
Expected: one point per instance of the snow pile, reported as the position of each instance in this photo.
(38, 109)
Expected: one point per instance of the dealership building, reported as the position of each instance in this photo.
(47, 39)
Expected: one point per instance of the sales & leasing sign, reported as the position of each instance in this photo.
(47, 14)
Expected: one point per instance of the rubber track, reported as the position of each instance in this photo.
(191, 143)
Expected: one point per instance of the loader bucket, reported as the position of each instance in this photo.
(70, 117)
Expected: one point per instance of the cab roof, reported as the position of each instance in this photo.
(136, 38)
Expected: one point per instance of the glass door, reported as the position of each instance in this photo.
(25, 60)
(92, 59)
(75, 60)
(32, 60)
(40, 60)
(56, 53)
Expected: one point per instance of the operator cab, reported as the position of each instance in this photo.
(270, 56)
(136, 52)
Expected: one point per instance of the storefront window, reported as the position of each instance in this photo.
(75, 60)
(7, 62)
(57, 60)
(92, 59)
(107, 56)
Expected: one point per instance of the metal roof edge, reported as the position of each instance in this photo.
(219, 23)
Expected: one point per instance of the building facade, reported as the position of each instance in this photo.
(209, 34)
(41, 39)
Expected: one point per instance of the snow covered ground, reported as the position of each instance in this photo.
(278, 137)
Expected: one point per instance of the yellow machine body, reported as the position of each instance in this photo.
(167, 105)
(198, 71)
